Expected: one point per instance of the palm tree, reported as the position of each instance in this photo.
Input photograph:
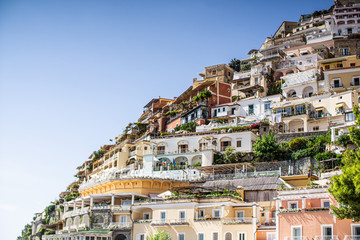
(162, 235)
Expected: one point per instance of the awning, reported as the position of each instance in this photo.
(304, 51)
(340, 105)
(223, 168)
(320, 109)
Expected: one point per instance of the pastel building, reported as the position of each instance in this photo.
(305, 214)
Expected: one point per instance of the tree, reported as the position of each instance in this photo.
(346, 187)
(266, 147)
(162, 235)
(229, 157)
(235, 64)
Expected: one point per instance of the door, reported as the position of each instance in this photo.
(356, 232)
(121, 237)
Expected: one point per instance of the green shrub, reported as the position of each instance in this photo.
(298, 144)
(343, 140)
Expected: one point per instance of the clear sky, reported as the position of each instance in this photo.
(74, 73)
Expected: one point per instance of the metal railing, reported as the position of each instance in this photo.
(76, 212)
(120, 225)
(96, 207)
(159, 222)
(241, 175)
(340, 85)
(237, 220)
(179, 221)
(352, 237)
(327, 237)
(119, 208)
(295, 238)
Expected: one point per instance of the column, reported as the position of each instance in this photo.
(222, 211)
(254, 218)
(91, 201)
(132, 199)
(75, 207)
(82, 203)
(112, 199)
(66, 207)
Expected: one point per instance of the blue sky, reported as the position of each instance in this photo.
(74, 73)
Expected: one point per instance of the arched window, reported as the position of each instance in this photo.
(228, 236)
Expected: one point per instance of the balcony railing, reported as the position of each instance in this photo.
(132, 153)
(336, 85)
(76, 212)
(119, 208)
(327, 237)
(98, 225)
(295, 238)
(143, 221)
(352, 237)
(290, 210)
(233, 221)
(120, 225)
(97, 207)
(159, 222)
(353, 84)
(180, 221)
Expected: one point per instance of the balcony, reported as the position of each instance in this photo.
(290, 210)
(76, 212)
(179, 222)
(355, 84)
(159, 222)
(316, 209)
(101, 207)
(121, 208)
(236, 221)
(132, 153)
(334, 86)
(203, 219)
(352, 237)
(295, 238)
(143, 221)
(327, 237)
(119, 225)
(98, 225)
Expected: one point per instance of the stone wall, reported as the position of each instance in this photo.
(286, 137)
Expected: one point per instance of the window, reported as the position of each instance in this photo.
(321, 84)
(349, 117)
(296, 232)
(267, 107)
(352, 64)
(355, 231)
(251, 109)
(316, 128)
(215, 113)
(140, 236)
(201, 213)
(270, 236)
(256, 80)
(326, 204)
(181, 236)
(240, 215)
(201, 236)
(228, 236)
(213, 72)
(163, 216)
(223, 109)
(216, 213)
(238, 143)
(183, 148)
(356, 81)
(339, 65)
(344, 51)
(215, 236)
(161, 149)
(123, 219)
(336, 83)
(146, 216)
(233, 111)
(326, 232)
(327, 67)
(182, 215)
(241, 235)
(292, 205)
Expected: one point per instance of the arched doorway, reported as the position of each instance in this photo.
(296, 125)
(291, 93)
(308, 91)
(121, 237)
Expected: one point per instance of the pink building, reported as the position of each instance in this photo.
(304, 214)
